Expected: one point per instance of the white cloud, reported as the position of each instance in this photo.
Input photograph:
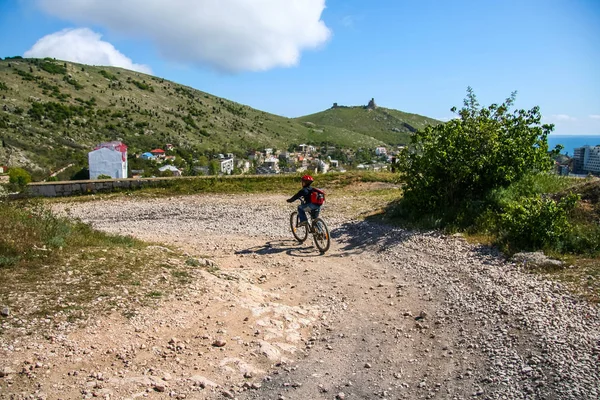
(82, 46)
(228, 35)
(348, 21)
(562, 117)
(595, 116)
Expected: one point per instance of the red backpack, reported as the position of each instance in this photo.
(317, 196)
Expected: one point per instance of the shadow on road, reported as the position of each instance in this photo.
(358, 236)
(290, 247)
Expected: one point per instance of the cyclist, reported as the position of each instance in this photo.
(305, 192)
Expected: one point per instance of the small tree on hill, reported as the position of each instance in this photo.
(452, 165)
(18, 178)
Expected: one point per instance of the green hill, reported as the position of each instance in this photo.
(53, 112)
(390, 126)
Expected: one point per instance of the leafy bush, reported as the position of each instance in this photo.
(537, 222)
(26, 75)
(143, 85)
(52, 68)
(56, 112)
(108, 75)
(73, 82)
(454, 166)
(102, 176)
(18, 177)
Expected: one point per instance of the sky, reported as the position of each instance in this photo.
(297, 57)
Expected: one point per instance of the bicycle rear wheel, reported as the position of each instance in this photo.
(321, 235)
(300, 233)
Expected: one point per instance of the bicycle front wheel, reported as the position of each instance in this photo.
(300, 233)
(321, 235)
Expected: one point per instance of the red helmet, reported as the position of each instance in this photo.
(307, 178)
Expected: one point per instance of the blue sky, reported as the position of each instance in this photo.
(294, 58)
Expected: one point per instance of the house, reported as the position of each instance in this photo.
(173, 169)
(381, 151)
(3, 169)
(169, 146)
(158, 153)
(243, 165)
(108, 158)
(321, 166)
(255, 156)
(226, 166)
(272, 163)
(171, 158)
(148, 156)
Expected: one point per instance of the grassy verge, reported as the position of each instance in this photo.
(284, 183)
(56, 272)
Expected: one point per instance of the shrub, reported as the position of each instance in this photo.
(537, 222)
(18, 177)
(108, 75)
(102, 176)
(52, 68)
(455, 165)
(143, 85)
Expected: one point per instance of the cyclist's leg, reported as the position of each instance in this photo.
(314, 210)
(302, 212)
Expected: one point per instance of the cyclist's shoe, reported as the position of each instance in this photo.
(302, 223)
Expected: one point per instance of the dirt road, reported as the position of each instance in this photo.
(385, 314)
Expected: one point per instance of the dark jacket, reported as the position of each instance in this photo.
(304, 193)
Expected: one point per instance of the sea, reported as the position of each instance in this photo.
(571, 142)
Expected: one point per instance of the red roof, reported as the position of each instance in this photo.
(157, 151)
(115, 146)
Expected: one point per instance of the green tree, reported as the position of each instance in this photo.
(214, 167)
(457, 164)
(18, 177)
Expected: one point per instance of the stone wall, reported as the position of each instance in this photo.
(71, 188)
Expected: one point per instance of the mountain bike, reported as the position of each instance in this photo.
(316, 226)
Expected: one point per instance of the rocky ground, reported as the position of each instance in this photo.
(385, 314)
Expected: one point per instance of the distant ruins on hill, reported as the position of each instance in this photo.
(371, 106)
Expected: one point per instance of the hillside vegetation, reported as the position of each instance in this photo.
(390, 126)
(53, 112)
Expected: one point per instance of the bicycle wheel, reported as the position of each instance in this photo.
(300, 233)
(321, 235)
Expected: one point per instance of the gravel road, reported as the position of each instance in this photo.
(385, 314)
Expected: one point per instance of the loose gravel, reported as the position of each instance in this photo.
(404, 314)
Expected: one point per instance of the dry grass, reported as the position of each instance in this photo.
(57, 272)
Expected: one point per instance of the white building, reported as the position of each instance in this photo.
(586, 159)
(321, 166)
(381, 151)
(272, 163)
(173, 169)
(226, 166)
(109, 158)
